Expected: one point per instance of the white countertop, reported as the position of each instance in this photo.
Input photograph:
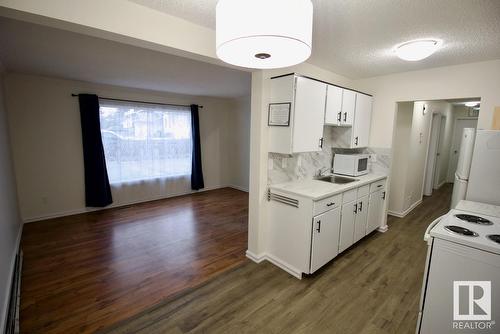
(317, 190)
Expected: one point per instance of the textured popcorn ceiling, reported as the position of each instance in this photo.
(355, 37)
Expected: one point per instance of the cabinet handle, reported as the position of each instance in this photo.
(356, 208)
(379, 186)
(356, 141)
(330, 204)
(321, 142)
(360, 206)
(319, 226)
(345, 117)
(339, 116)
(383, 195)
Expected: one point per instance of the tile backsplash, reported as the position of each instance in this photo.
(306, 165)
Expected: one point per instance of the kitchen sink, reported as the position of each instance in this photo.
(336, 179)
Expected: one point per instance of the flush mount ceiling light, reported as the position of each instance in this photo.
(418, 49)
(471, 104)
(264, 33)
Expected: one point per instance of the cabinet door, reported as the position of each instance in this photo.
(361, 218)
(348, 215)
(309, 115)
(348, 107)
(325, 238)
(362, 121)
(375, 211)
(333, 111)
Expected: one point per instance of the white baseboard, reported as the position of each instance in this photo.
(407, 211)
(441, 184)
(3, 318)
(383, 229)
(277, 262)
(112, 206)
(238, 187)
(255, 258)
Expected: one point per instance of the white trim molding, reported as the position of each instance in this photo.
(383, 229)
(275, 261)
(407, 211)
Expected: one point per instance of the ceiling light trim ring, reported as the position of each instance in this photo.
(254, 36)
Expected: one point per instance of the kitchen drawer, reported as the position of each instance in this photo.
(349, 196)
(363, 191)
(379, 185)
(326, 204)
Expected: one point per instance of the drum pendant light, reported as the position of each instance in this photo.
(264, 33)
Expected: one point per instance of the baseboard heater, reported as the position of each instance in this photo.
(12, 325)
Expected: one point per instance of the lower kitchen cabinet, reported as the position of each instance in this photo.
(375, 210)
(349, 211)
(305, 234)
(325, 238)
(361, 218)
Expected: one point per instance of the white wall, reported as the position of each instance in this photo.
(10, 223)
(401, 154)
(239, 143)
(461, 81)
(47, 149)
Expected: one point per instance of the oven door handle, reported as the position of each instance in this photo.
(427, 236)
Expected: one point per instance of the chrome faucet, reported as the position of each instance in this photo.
(322, 170)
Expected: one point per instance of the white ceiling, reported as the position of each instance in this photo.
(355, 37)
(30, 48)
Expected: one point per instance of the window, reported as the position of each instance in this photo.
(145, 141)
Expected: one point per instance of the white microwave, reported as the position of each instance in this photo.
(350, 164)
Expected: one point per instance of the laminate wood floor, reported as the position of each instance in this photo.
(372, 288)
(85, 272)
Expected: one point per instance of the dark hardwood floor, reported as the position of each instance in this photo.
(85, 272)
(372, 288)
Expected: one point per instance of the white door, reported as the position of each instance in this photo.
(432, 155)
(348, 107)
(361, 218)
(375, 210)
(460, 125)
(309, 115)
(439, 169)
(347, 226)
(362, 121)
(333, 111)
(325, 238)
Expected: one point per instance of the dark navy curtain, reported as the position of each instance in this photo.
(97, 189)
(196, 170)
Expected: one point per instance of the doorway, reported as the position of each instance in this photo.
(434, 160)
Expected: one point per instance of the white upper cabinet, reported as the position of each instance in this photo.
(362, 121)
(340, 105)
(307, 100)
(348, 107)
(333, 111)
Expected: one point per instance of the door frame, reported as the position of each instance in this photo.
(432, 153)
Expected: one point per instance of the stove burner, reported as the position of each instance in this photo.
(494, 238)
(474, 219)
(461, 230)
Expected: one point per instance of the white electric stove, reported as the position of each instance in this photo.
(463, 253)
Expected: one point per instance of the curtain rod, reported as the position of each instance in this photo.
(145, 102)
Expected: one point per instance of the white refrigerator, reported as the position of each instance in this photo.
(463, 166)
(484, 178)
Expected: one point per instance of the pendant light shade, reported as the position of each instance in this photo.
(264, 33)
